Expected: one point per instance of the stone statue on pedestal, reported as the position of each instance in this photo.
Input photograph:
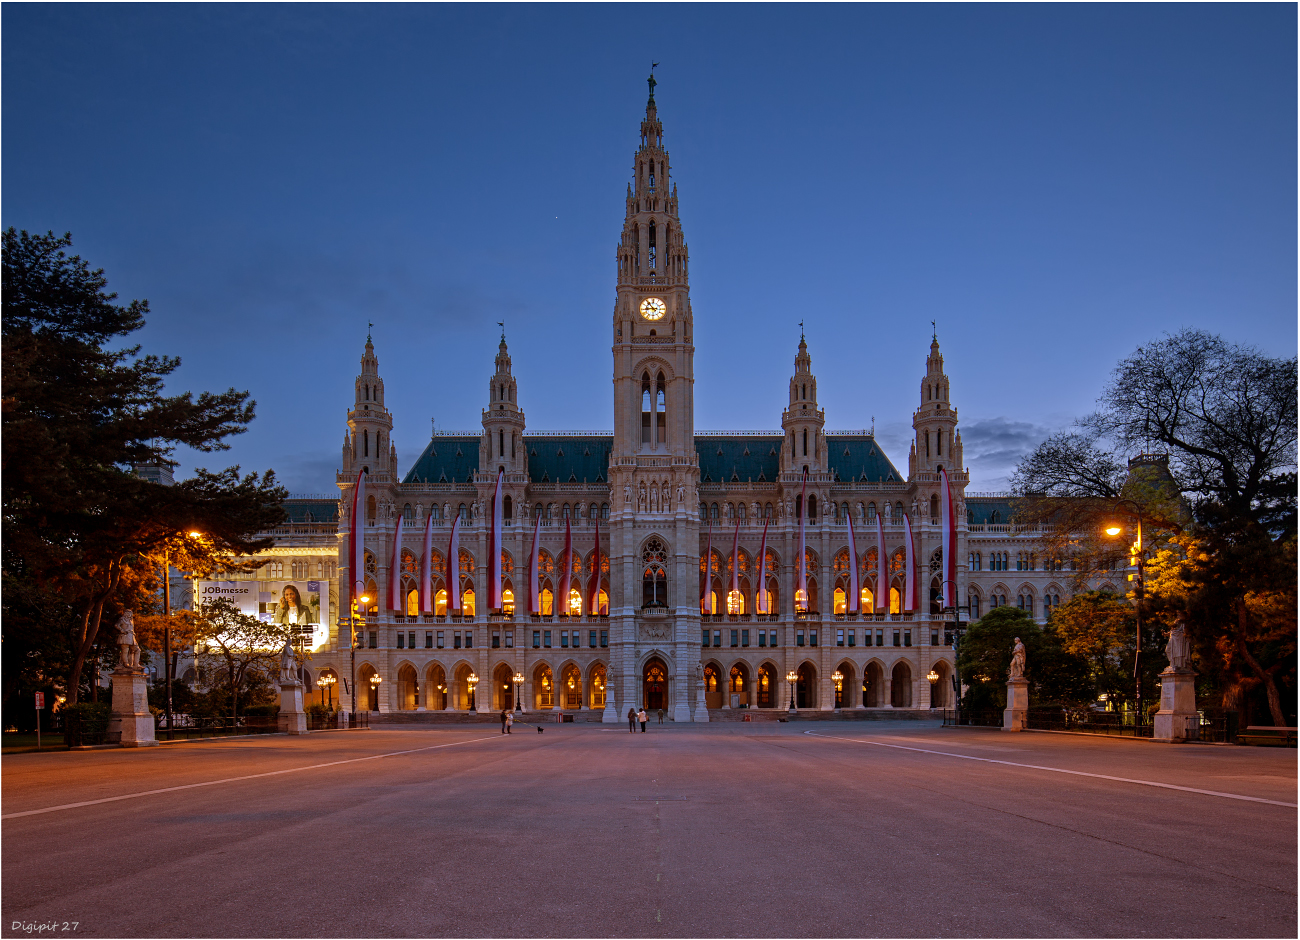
(1018, 660)
(288, 663)
(129, 649)
(1178, 650)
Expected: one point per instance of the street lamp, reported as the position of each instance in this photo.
(958, 628)
(352, 625)
(933, 678)
(472, 680)
(374, 688)
(326, 682)
(792, 677)
(1137, 557)
(518, 680)
(838, 678)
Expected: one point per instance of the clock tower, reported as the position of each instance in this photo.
(654, 469)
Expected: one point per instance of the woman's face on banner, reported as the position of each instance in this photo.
(291, 597)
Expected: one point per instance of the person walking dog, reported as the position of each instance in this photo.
(510, 720)
(631, 720)
(640, 716)
(505, 714)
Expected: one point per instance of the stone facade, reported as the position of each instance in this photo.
(670, 503)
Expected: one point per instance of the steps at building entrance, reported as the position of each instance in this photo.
(847, 714)
(594, 716)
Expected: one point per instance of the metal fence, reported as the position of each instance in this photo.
(1056, 718)
(337, 720)
(83, 730)
(972, 718)
(188, 726)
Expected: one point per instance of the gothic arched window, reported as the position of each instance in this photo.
(365, 443)
(654, 579)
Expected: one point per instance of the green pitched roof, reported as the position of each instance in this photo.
(446, 460)
(312, 510)
(985, 510)
(858, 458)
(739, 459)
(568, 459)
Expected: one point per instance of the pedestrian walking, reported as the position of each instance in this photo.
(504, 716)
(510, 720)
(631, 720)
(640, 716)
(661, 716)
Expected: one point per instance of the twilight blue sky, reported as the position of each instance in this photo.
(1053, 184)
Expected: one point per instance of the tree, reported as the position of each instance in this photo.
(1054, 674)
(242, 643)
(79, 416)
(1218, 502)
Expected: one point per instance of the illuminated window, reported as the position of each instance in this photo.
(895, 601)
(867, 599)
(508, 601)
(737, 679)
(467, 602)
(841, 605)
(603, 599)
(710, 679)
(735, 603)
(413, 603)
(713, 602)
(548, 602)
(440, 603)
(575, 602)
(800, 600)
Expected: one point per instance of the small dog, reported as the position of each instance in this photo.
(540, 729)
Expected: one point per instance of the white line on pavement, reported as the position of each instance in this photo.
(213, 783)
(1059, 770)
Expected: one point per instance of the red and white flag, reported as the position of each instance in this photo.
(911, 601)
(708, 569)
(453, 566)
(567, 572)
(800, 562)
(882, 567)
(426, 565)
(395, 570)
(735, 565)
(534, 569)
(494, 548)
(855, 590)
(949, 534)
(762, 573)
(594, 606)
(357, 542)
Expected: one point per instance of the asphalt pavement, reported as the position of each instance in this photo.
(828, 829)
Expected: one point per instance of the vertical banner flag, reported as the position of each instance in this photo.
(357, 541)
(494, 548)
(800, 562)
(708, 565)
(735, 564)
(762, 573)
(395, 569)
(910, 600)
(453, 566)
(882, 568)
(949, 543)
(855, 590)
(594, 606)
(568, 569)
(534, 569)
(426, 565)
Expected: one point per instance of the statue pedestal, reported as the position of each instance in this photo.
(131, 723)
(1016, 716)
(701, 710)
(293, 720)
(1177, 719)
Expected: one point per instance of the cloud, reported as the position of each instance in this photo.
(993, 447)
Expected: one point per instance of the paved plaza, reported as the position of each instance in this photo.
(789, 830)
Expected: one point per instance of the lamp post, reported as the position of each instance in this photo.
(958, 628)
(792, 677)
(472, 680)
(326, 682)
(354, 616)
(374, 687)
(1137, 557)
(838, 678)
(933, 678)
(518, 680)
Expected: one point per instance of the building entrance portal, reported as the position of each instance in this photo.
(655, 686)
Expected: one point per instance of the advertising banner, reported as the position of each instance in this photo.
(301, 604)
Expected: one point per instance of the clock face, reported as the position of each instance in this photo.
(652, 308)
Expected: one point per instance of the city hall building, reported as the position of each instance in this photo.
(682, 516)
